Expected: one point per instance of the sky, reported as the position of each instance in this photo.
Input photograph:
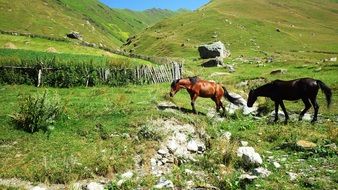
(140, 5)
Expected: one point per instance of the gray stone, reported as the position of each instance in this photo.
(215, 62)
(74, 35)
(279, 71)
(213, 50)
(230, 68)
(249, 156)
(172, 146)
(227, 135)
(94, 186)
(263, 172)
(38, 188)
(244, 143)
(293, 176)
(164, 183)
(248, 177)
(277, 165)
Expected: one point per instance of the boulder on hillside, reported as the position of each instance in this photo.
(213, 50)
(74, 35)
(215, 62)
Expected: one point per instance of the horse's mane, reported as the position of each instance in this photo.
(193, 79)
(174, 82)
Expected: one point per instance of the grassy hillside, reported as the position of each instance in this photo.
(246, 27)
(94, 20)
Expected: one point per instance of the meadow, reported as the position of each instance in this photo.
(97, 133)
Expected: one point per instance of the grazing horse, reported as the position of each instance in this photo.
(206, 89)
(303, 88)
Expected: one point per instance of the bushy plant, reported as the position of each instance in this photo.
(36, 113)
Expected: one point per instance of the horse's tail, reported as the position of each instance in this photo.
(327, 91)
(230, 98)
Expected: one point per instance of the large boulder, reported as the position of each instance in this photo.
(75, 35)
(213, 50)
(215, 62)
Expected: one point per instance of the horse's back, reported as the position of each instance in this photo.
(296, 89)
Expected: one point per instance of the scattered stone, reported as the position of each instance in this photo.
(278, 71)
(244, 143)
(38, 188)
(277, 29)
(263, 172)
(276, 164)
(214, 62)
(230, 68)
(162, 151)
(213, 50)
(164, 183)
(76, 186)
(125, 177)
(94, 186)
(293, 176)
(303, 144)
(232, 108)
(307, 117)
(172, 146)
(248, 177)
(227, 135)
(249, 156)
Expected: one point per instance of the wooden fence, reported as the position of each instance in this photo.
(50, 76)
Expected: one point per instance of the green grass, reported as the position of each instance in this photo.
(113, 59)
(88, 140)
(247, 28)
(95, 21)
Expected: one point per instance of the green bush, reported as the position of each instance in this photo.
(37, 113)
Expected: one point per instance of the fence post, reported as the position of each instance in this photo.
(39, 78)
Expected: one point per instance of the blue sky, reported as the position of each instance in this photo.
(147, 4)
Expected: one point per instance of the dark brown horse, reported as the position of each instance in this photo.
(197, 87)
(304, 88)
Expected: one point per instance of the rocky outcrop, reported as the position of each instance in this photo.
(213, 50)
(249, 156)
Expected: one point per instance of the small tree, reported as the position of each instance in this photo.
(36, 113)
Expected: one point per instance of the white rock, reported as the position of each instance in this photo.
(94, 186)
(172, 145)
(164, 183)
(227, 135)
(38, 188)
(244, 143)
(262, 172)
(248, 177)
(192, 146)
(124, 177)
(162, 151)
(276, 164)
(249, 155)
(127, 175)
(293, 176)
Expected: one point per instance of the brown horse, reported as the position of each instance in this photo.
(201, 88)
(304, 88)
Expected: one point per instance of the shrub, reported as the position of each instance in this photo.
(36, 113)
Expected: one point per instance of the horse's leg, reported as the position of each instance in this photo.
(276, 111)
(217, 103)
(307, 107)
(193, 99)
(285, 113)
(316, 108)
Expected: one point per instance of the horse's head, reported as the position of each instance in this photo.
(252, 98)
(175, 87)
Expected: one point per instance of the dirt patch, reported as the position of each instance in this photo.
(10, 45)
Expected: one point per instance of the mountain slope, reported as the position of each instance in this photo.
(247, 27)
(94, 20)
